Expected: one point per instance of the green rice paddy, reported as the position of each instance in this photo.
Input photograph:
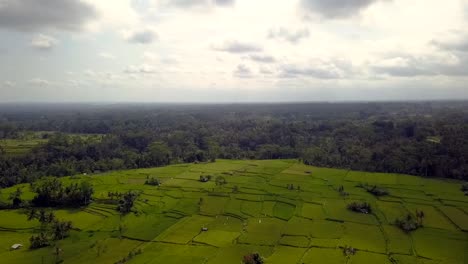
(253, 212)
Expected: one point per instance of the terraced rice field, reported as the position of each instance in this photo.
(253, 212)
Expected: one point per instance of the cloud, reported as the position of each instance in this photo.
(43, 42)
(198, 3)
(332, 69)
(262, 58)
(408, 65)
(106, 55)
(237, 47)
(149, 56)
(9, 84)
(265, 71)
(39, 82)
(224, 2)
(145, 36)
(140, 69)
(243, 71)
(403, 66)
(35, 15)
(459, 44)
(290, 36)
(334, 9)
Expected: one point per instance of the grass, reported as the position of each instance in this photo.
(285, 226)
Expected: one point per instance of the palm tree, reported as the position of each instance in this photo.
(419, 217)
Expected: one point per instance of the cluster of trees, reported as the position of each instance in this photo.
(426, 139)
(52, 229)
(51, 193)
(126, 202)
(220, 181)
(411, 222)
(152, 181)
(360, 207)
(375, 190)
(129, 257)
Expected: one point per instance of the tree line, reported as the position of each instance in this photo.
(427, 139)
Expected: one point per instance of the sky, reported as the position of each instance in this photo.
(232, 50)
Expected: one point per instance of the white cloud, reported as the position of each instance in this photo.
(141, 36)
(39, 82)
(234, 46)
(43, 42)
(9, 84)
(292, 36)
(140, 69)
(262, 58)
(242, 71)
(261, 46)
(106, 55)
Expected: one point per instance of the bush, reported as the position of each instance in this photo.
(253, 258)
(360, 207)
(152, 181)
(349, 251)
(205, 178)
(464, 189)
(220, 180)
(410, 222)
(375, 190)
(39, 241)
(130, 256)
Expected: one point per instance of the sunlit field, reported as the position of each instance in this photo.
(255, 211)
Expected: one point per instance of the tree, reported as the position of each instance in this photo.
(58, 254)
(420, 217)
(409, 222)
(159, 154)
(61, 229)
(205, 178)
(220, 181)
(360, 207)
(15, 198)
(51, 192)
(126, 202)
(39, 241)
(253, 258)
(153, 181)
(376, 191)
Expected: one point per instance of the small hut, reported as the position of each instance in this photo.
(16, 246)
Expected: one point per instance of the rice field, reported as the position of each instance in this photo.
(187, 221)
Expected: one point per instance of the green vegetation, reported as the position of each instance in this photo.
(152, 181)
(184, 220)
(253, 258)
(411, 222)
(375, 190)
(52, 193)
(358, 207)
(424, 139)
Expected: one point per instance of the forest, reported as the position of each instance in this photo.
(427, 139)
